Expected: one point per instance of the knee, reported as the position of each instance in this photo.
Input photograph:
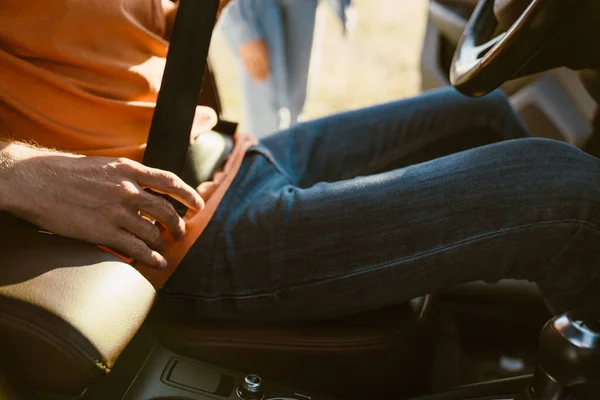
(491, 107)
(568, 176)
(496, 103)
(550, 151)
(548, 154)
(497, 97)
(545, 162)
(501, 116)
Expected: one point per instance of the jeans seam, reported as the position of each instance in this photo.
(274, 293)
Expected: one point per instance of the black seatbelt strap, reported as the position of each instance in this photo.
(169, 137)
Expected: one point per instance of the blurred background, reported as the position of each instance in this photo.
(399, 48)
(383, 50)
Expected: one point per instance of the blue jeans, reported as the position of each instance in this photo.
(370, 208)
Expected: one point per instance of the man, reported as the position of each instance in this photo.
(72, 72)
(337, 216)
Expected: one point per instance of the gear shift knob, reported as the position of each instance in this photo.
(251, 388)
(569, 360)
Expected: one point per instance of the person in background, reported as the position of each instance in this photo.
(273, 40)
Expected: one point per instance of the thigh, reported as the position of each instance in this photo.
(392, 135)
(510, 210)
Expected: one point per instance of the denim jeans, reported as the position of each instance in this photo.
(370, 208)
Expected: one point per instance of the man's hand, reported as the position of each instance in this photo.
(97, 199)
(255, 55)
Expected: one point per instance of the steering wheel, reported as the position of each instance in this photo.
(484, 60)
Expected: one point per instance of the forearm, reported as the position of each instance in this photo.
(96, 199)
(15, 173)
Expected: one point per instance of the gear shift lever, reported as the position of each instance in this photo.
(569, 361)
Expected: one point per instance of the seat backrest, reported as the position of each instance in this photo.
(67, 308)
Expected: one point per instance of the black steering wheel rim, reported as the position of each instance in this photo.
(483, 63)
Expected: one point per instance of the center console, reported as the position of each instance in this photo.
(568, 369)
(165, 375)
(170, 376)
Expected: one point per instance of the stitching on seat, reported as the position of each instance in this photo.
(47, 335)
(102, 366)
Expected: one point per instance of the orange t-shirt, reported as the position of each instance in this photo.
(83, 76)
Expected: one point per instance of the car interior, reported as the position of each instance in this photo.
(77, 322)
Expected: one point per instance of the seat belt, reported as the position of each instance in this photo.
(169, 137)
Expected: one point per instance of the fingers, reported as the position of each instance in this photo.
(143, 230)
(132, 246)
(163, 212)
(170, 184)
(136, 236)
